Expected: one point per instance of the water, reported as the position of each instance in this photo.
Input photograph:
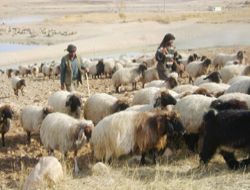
(22, 20)
(5, 47)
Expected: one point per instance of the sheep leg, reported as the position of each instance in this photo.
(230, 159)
(244, 163)
(143, 161)
(208, 150)
(76, 169)
(22, 91)
(3, 140)
(28, 137)
(191, 141)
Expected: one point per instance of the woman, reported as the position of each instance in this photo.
(164, 54)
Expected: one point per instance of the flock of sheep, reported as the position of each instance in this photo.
(208, 112)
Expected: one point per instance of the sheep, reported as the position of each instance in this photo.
(64, 133)
(231, 71)
(212, 77)
(6, 114)
(96, 69)
(34, 70)
(191, 109)
(237, 78)
(149, 95)
(100, 105)
(242, 86)
(31, 117)
(149, 75)
(226, 130)
(24, 70)
(236, 96)
(141, 108)
(170, 83)
(56, 70)
(17, 84)
(229, 104)
(47, 70)
(215, 88)
(109, 65)
(197, 68)
(117, 67)
(185, 88)
(128, 75)
(129, 131)
(48, 171)
(221, 58)
(66, 102)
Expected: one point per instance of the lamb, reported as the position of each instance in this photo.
(215, 88)
(149, 95)
(231, 71)
(197, 68)
(100, 105)
(24, 70)
(31, 118)
(221, 58)
(191, 109)
(64, 133)
(66, 102)
(129, 131)
(128, 75)
(212, 77)
(48, 171)
(17, 84)
(242, 86)
(226, 130)
(6, 115)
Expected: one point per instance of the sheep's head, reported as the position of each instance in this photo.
(83, 132)
(120, 105)
(9, 71)
(21, 83)
(6, 112)
(47, 110)
(28, 71)
(240, 55)
(100, 67)
(172, 82)
(214, 77)
(207, 62)
(16, 72)
(74, 102)
(142, 68)
(230, 104)
(203, 57)
(164, 100)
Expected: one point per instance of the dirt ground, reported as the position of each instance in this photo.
(18, 158)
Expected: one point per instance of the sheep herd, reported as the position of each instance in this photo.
(203, 106)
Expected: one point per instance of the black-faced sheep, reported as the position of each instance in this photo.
(31, 118)
(66, 102)
(6, 114)
(100, 105)
(17, 84)
(64, 133)
(128, 131)
(226, 130)
(212, 77)
(128, 75)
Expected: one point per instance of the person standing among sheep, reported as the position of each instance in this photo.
(71, 66)
(165, 54)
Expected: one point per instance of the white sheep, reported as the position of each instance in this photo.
(198, 68)
(231, 71)
(17, 84)
(129, 131)
(48, 171)
(66, 102)
(31, 117)
(47, 70)
(237, 78)
(56, 70)
(117, 67)
(100, 105)
(242, 86)
(212, 77)
(215, 88)
(221, 58)
(64, 133)
(237, 96)
(149, 75)
(24, 70)
(191, 109)
(128, 75)
(149, 95)
(109, 65)
(185, 88)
